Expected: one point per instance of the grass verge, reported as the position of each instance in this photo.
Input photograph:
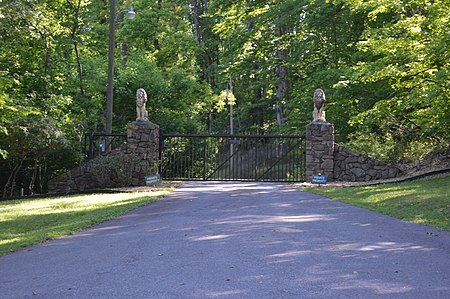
(29, 221)
(425, 201)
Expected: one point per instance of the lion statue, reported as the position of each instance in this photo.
(319, 100)
(141, 99)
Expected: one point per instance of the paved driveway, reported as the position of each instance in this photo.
(237, 240)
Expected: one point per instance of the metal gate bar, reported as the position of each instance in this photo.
(233, 157)
(297, 145)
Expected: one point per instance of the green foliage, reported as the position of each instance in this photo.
(37, 147)
(410, 102)
(384, 66)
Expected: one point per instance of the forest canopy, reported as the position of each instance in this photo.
(383, 64)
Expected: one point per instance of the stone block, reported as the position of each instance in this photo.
(129, 133)
(154, 136)
(372, 172)
(337, 171)
(339, 157)
(132, 147)
(147, 144)
(141, 150)
(325, 127)
(327, 164)
(318, 154)
(351, 153)
(319, 147)
(77, 171)
(348, 177)
(351, 159)
(393, 172)
(358, 172)
(311, 166)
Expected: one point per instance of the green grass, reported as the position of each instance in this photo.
(29, 221)
(425, 201)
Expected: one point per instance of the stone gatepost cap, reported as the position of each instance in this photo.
(319, 122)
(142, 122)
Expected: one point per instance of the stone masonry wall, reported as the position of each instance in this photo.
(78, 179)
(320, 149)
(125, 166)
(339, 163)
(352, 166)
(143, 141)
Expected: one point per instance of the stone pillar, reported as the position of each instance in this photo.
(143, 142)
(319, 149)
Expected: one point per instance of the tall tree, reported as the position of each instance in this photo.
(404, 57)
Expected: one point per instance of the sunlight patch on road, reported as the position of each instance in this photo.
(211, 238)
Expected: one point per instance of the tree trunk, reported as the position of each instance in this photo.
(12, 180)
(196, 21)
(33, 177)
(124, 55)
(258, 94)
(76, 10)
(156, 41)
(42, 171)
(282, 73)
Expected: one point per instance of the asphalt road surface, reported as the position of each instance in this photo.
(237, 240)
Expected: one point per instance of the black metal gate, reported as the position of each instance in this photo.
(233, 157)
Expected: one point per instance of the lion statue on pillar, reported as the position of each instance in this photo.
(319, 100)
(141, 100)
